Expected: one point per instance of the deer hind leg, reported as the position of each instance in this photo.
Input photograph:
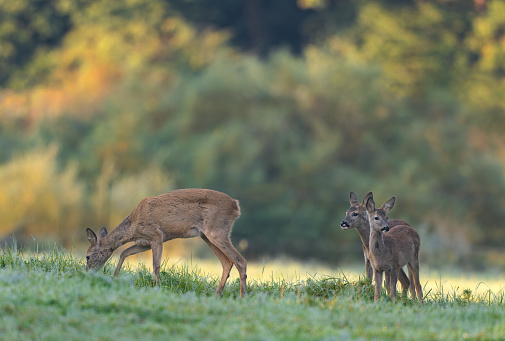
(225, 246)
(157, 246)
(405, 282)
(225, 262)
(140, 246)
(412, 286)
(414, 267)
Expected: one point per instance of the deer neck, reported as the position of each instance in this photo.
(364, 233)
(376, 244)
(121, 235)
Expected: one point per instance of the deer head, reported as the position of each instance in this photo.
(356, 215)
(96, 256)
(378, 217)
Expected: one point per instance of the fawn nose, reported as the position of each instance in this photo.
(385, 228)
(344, 224)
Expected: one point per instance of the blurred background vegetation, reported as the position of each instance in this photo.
(285, 105)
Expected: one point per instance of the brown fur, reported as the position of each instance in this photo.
(357, 217)
(390, 254)
(184, 213)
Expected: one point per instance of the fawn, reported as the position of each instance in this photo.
(390, 254)
(183, 213)
(357, 217)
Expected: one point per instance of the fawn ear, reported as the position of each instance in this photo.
(353, 199)
(102, 233)
(91, 236)
(370, 205)
(388, 205)
(365, 199)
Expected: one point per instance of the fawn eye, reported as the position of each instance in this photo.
(354, 214)
(376, 218)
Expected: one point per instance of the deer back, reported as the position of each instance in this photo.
(395, 222)
(406, 241)
(185, 213)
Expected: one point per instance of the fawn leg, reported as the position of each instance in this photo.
(414, 267)
(412, 286)
(132, 250)
(404, 281)
(378, 285)
(387, 281)
(368, 266)
(394, 279)
(225, 262)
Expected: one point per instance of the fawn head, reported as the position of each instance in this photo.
(378, 217)
(356, 214)
(96, 257)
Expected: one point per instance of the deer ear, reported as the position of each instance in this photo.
(370, 205)
(353, 199)
(102, 233)
(365, 199)
(91, 236)
(388, 205)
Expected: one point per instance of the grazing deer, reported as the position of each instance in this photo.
(390, 254)
(183, 213)
(357, 217)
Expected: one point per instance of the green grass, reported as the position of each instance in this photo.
(49, 296)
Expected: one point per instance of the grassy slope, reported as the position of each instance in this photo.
(50, 298)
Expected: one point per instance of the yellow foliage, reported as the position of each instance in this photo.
(12, 105)
(198, 49)
(96, 58)
(37, 198)
(127, 192)
(488, 39)
(311, 4)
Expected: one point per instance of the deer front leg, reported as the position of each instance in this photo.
(157, 247)
(378, 285)
(139, 247)
(368, 266)
(393, 281)
(387, 280)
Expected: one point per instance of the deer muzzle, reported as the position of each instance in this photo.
(385, 228)
(344, 225)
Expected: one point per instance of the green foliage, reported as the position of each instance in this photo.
(28, 28)
(484, 86)
(418, 47)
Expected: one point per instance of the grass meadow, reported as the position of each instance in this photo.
(50, 296)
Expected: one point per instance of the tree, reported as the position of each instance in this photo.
(28, 29)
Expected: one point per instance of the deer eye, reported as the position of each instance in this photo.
(354, 214)
(376, 218)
